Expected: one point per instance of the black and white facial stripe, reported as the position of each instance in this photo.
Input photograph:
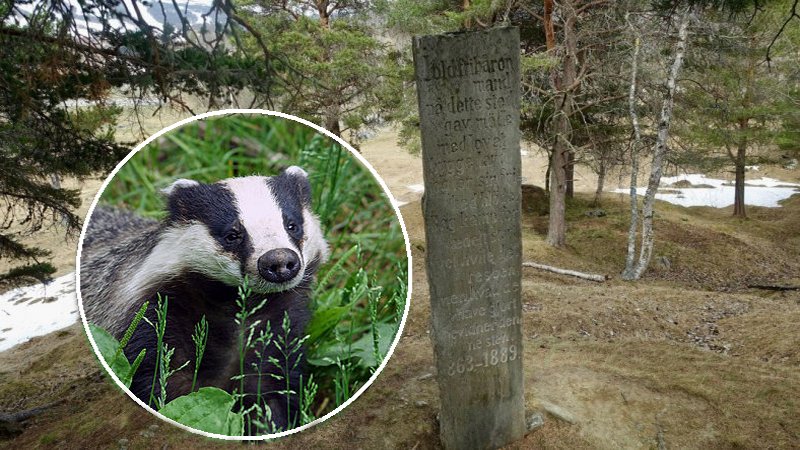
(257, 226)
(213, 205)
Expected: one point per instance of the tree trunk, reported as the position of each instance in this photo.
(547, 173)
(661, 149)
(324, 14)
(630, 259)
(601, 181)
(741, 149)
(738, 198)
(332, 120)
(572, 273)
(549, 33)
(557, 227)
(570, 172)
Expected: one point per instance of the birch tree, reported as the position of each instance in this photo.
(635, 146)
(660, 153)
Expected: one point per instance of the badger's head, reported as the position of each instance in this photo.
(260, 227)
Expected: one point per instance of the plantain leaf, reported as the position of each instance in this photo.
(325, 320)
(108, 346)
(363, 349)
(208, 409)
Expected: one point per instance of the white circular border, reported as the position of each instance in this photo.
(225, 112)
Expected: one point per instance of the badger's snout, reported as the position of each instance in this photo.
(279, 265)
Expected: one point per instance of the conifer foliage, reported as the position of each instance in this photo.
(60, 64)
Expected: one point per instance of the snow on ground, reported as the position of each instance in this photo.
(707, 191)
(40, 309)
(719, 193)
(35, 310)
(151, 13)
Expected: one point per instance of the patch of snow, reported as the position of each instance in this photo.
(113, 101)
(764, 191)
(35, 310)
(145, 13)
(752, 168)
(152, 14)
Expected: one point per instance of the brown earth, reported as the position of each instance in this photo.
(688, 357)
(400, 170)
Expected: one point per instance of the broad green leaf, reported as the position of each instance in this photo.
(208, 409)
(325, 320)
(361, 349)
(108, 346)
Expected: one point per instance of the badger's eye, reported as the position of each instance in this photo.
(233, 237)
(291, 226)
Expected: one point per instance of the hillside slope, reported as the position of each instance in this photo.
(688, 357)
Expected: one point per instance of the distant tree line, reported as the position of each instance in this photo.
(683, 83)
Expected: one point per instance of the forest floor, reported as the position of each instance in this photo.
(688, 357)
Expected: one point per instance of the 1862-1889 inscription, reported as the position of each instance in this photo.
(468, 92)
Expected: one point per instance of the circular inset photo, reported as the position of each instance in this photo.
(243, 274)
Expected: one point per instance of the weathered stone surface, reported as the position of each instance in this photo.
(468, 88)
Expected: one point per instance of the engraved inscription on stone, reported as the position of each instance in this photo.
(468, 92)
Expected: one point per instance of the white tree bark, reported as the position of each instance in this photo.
(630, 259)
(661, 149)
(572, 273)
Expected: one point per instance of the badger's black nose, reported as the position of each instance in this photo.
(279, 265)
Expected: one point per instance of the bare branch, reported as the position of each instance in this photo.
(792, 15)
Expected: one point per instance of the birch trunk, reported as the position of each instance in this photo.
(661, 149)
(630, 259)
(572, 273)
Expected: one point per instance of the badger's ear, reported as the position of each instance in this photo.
(178, 184)
(295, 180)
(296, 172)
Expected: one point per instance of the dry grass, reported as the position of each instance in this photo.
(705, 247)
(683, 361)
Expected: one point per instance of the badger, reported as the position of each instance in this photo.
(213, 236)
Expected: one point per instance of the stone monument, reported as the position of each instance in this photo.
(468, 93)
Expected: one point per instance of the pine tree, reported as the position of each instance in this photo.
(50, 61)
(734, 103)
(335, 70)
(42, 140)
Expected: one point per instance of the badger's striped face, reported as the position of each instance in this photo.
(257, 226)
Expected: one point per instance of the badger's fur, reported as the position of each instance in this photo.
(212, 237)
